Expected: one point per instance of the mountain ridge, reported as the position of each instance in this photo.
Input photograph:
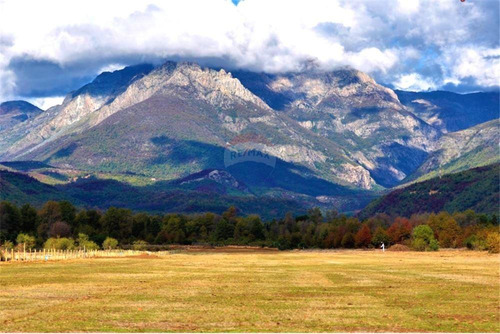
(331, 134)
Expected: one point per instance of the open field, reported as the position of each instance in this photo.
(285, 291)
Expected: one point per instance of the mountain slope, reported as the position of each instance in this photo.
(20, 188)
(59, 120)
(205, 191)
(462, 150)
(187, 121)
(475, 189)
(451, 112)
(15, 112)
(351, 109)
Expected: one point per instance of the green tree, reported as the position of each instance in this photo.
(117, 223)
(423, 238)
(380, 236)
(68, 212)
(29, 218)
(446, 229)
(348, 240)
(256, 227)
(48, 215)
(10, 220)
(110, 243)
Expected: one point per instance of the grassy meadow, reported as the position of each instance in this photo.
(296, 291)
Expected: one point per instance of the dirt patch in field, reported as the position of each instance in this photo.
(399, 248)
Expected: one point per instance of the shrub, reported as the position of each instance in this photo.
(493, 242)
(140, 245)
(84, 242)
(8, 245)
(419, 244)
(470, 242)
(59, 243)
(433, 245)
(25, 240)
(110, 243)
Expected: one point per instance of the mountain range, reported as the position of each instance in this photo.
(334, 139)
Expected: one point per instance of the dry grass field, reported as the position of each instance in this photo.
(260, 291)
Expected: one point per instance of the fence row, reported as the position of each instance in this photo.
(55, 254)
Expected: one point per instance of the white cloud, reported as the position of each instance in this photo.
(384, 38)
(481, 64)
(45, 103)
(414, 82)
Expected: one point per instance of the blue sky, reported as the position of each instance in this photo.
(406, 44)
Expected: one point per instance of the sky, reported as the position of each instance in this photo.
(48, 48)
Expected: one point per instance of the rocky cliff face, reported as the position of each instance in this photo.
(350, 108)
(461, 150)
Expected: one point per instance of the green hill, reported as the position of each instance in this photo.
(476, 189)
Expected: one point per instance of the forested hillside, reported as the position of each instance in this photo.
(476, 189)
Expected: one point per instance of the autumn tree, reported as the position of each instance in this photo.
(363, 237)
(446, 229)
(400, 230)
(59, 230)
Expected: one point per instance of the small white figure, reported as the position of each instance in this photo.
(383, 247)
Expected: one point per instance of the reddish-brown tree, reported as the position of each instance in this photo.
(364, 236)
(400, 230)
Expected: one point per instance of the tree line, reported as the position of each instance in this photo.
(61, 225)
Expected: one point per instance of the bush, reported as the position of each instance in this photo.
(433, 245)
(8, 245)
(140, 245)
(59, 243)
(476, 242)
(25, 240)
(85, 243)
(110, 243)
(419, 245)
(493, 242)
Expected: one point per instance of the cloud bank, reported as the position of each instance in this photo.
(50, 47)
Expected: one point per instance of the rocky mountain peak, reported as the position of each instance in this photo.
(18, 106)
(15, 112)
(215, 86)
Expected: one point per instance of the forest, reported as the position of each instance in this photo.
(60, 225)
